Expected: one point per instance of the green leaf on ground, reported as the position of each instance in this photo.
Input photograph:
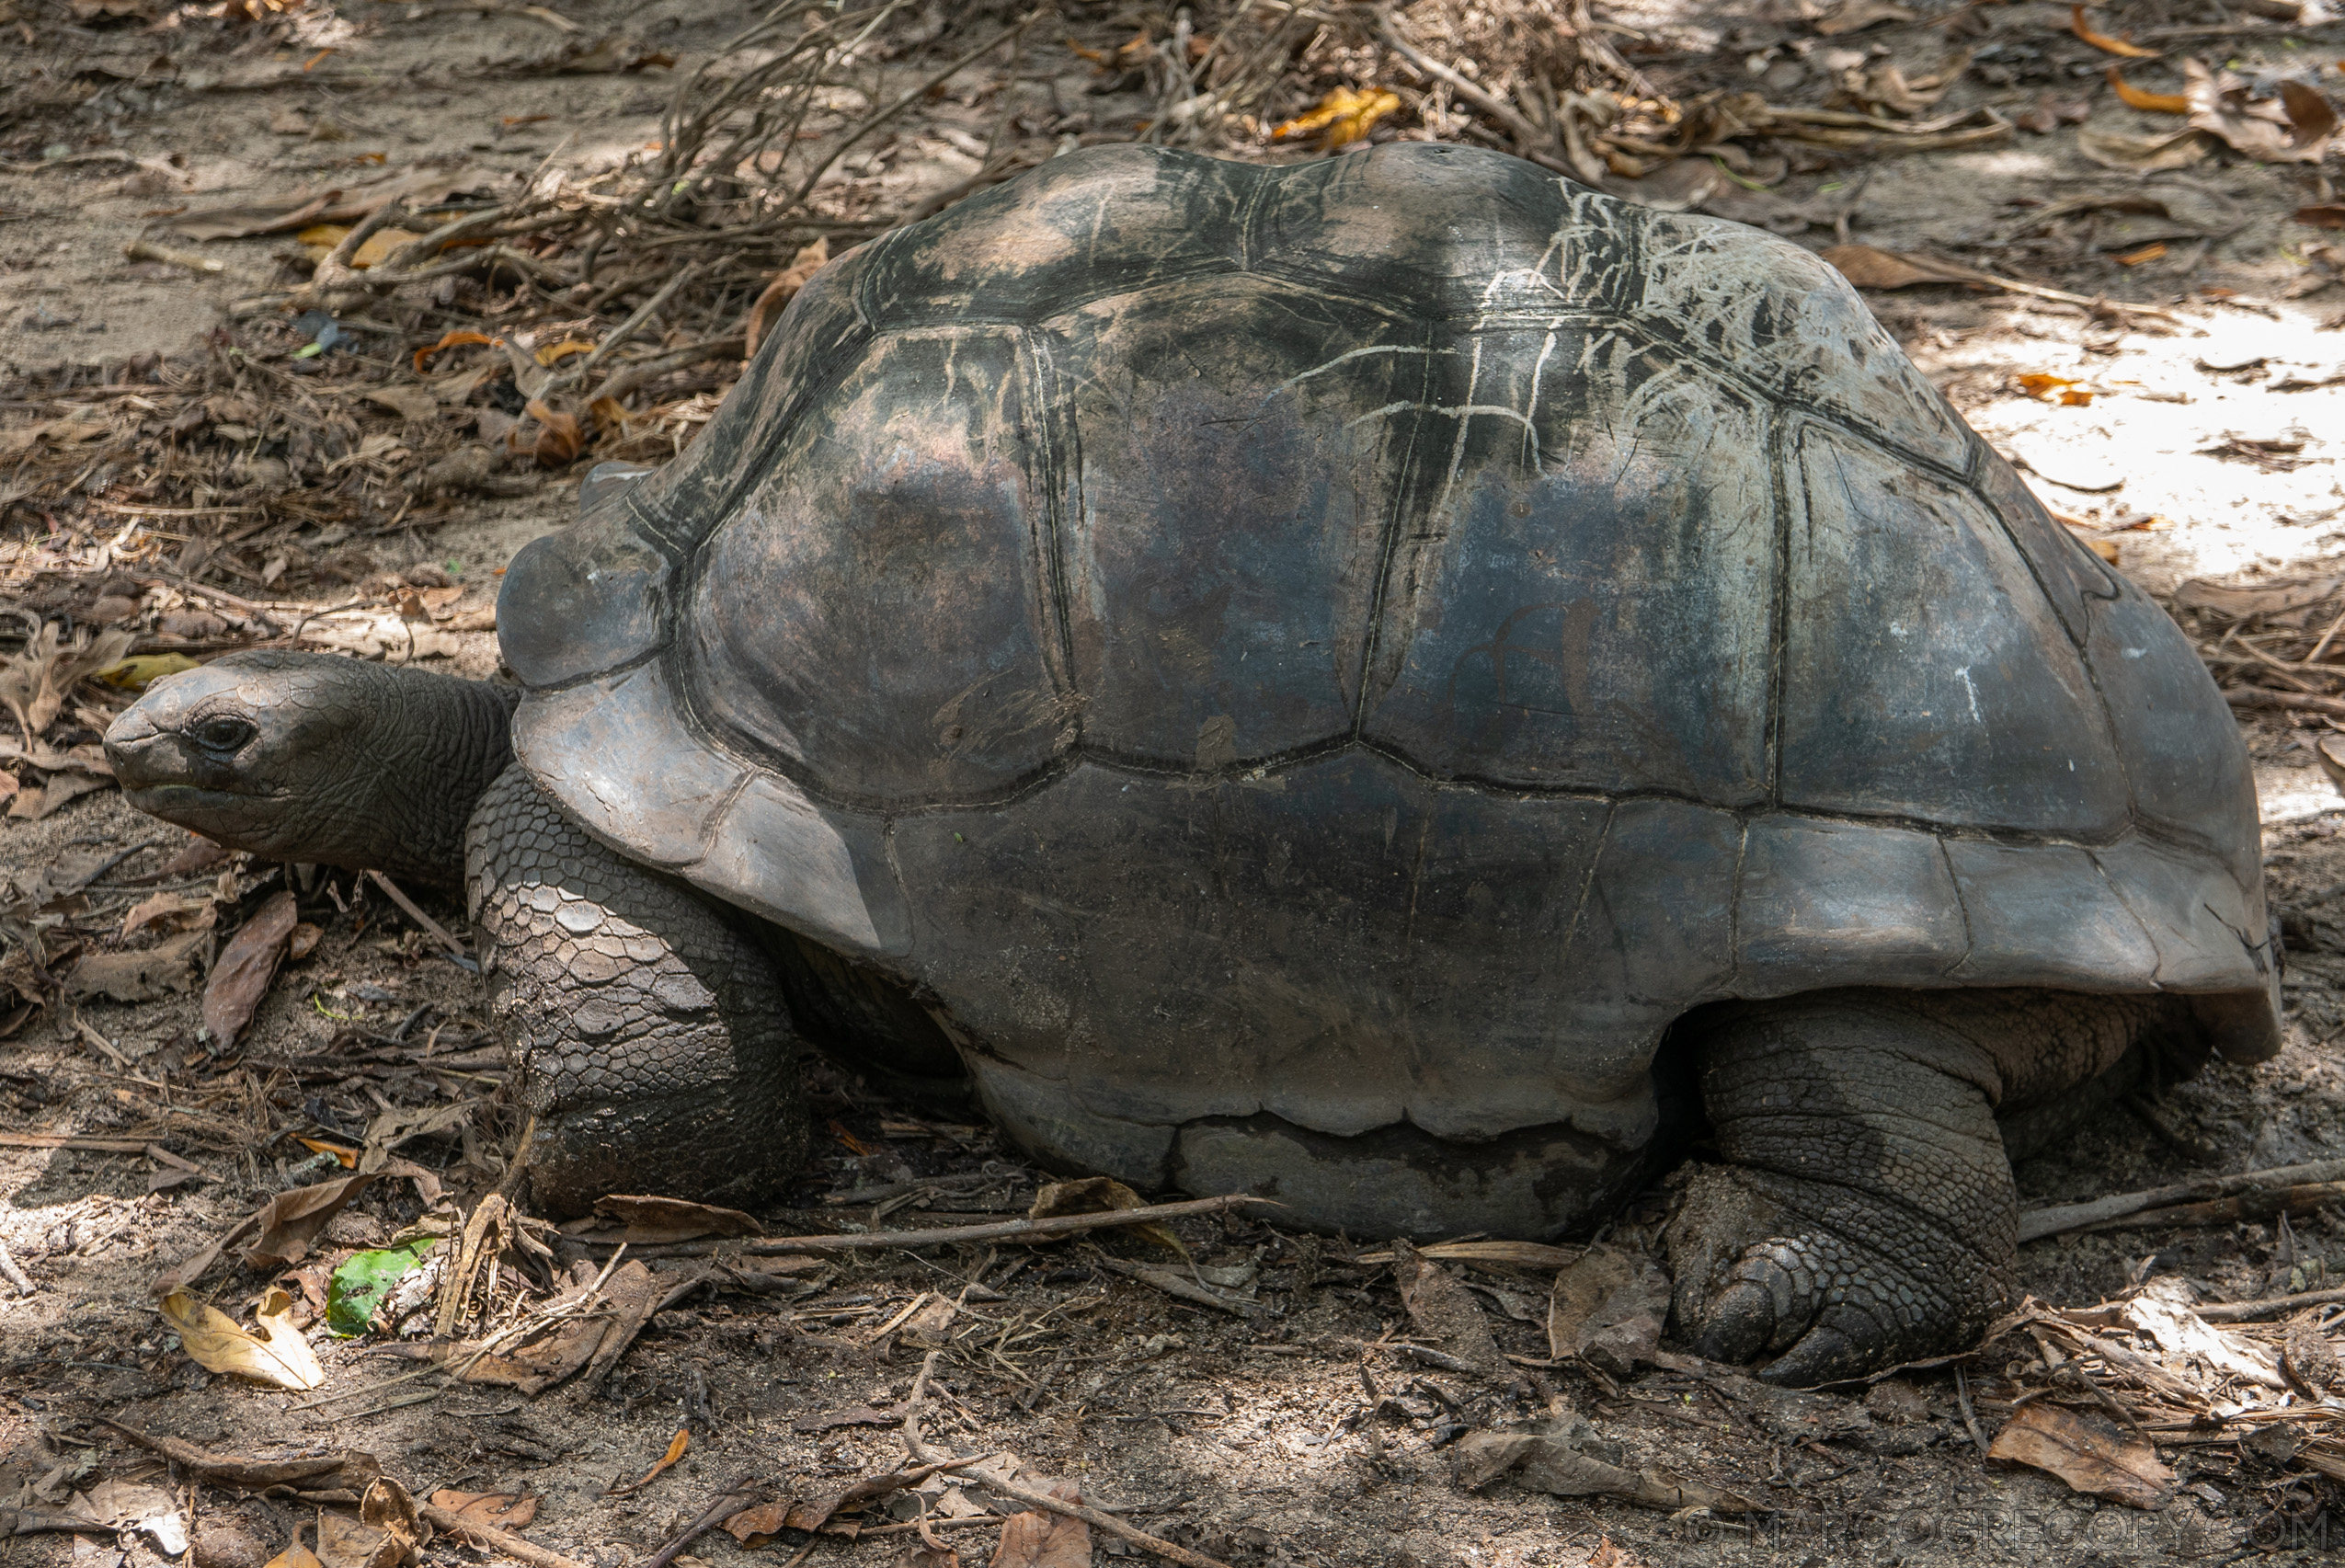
(362, 1281)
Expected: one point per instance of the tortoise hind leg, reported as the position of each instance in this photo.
(647, 1035)
(1868, 1215)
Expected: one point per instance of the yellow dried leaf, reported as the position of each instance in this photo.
(319, 240)
(2057, 389)
(279, 1355)
(554, 353)
(133, 673)
(1342, 117)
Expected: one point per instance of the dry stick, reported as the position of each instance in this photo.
(2247, 1311)
(430, 927)
(918, 1447)
(634, 373)
(1099, 1521)
(1970, 1416)
(495, 1539)
(2259, 1204)
(727, 1503)
(2036, 1224)
(873, 122)
(881, 1240)
(16, 1275)
(626, 328)
(1960, 274)
(1498, 109)
(2265, 697)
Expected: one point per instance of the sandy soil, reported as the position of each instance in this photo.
(1295, 1433)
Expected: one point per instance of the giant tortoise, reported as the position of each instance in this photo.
(1396, 684)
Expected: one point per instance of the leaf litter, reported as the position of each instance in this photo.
(1600, 102)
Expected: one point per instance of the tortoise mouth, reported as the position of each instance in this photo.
(169, 800)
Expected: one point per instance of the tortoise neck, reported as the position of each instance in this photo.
(442, 742)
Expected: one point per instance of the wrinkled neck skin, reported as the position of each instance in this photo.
(309, 757)
(444, 743)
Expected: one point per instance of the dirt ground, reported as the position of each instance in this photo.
(2199, 440)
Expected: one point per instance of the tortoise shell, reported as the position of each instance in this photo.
(1372, 642)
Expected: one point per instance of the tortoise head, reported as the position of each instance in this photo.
(311, 757)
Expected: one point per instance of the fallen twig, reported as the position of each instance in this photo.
(881, 1240)
(430, 927)
(74, 1141)
(727, 1503)
(1174, 1284)
(15, 1275)
(2265, 697)
(2259, 1203)
(1034, 1498)
(2036, 1224)
(2249, 1312)
(495, 1539)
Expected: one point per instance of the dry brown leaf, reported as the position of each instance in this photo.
(32, 805)
(292, 1221)
(35, 682)
(1100, 1195)
(295, 1556)
(2143, 155)
(2296, 127)
(1446, 1311)
(2102, 42)
(1037, 1540)
(1868, 266)
(501, 1511)
(169, 912)
(1855, 15)
(1606, 1310)
(408, 401)
(754, 1528)
(278, 1356)
(387, 1507)
(559, 441)
(2154, 251)
(1344, 116)
(784, 288)
(2091, 1453)
(377, 247)
(2323, 214)
(345, 1542)
(241, 978)
(143, 975)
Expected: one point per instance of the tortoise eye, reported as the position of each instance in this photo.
(224, 732)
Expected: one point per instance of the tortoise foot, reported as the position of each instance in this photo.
(1868, 1215)
(1769, 1272)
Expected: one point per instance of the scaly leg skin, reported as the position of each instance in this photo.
(648, 1035)
(1868, 1215)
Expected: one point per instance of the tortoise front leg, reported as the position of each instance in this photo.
(648, 1034)
(1868, 1215)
